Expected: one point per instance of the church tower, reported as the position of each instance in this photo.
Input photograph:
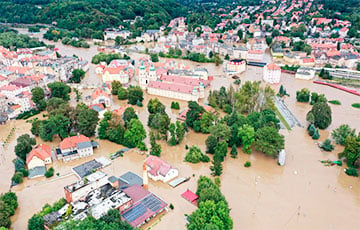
(143, 78)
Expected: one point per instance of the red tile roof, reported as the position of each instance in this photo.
(42, 151)
(70, 142)
(190, 196)
(157, 165)
(171, 87)
(99, 93)
(272, 66)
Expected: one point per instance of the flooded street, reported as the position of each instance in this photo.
(304, 194)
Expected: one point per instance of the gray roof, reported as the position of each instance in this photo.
(51, 218)
(129, 179)
(112, 179)
(83, 145)
(5, 72)
(87, 168)
(37, 171)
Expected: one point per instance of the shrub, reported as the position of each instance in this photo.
(194, 155)
(17, 178)
(186, 147)
(227, 109)
(205, 158)
(175, 105)
(303, 95)
(335, 102)
(327, 146)
(142, 146)
(356, 105)
(352, 172)
(49, 173)
(247, 164)
(316, 135)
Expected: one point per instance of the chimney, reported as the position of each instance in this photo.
(145, 177)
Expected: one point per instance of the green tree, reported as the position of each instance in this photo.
(134, 134)
(268, 41)
(129, 114)
(24, 145)
(211, 143)
(322, 115)
(303, 95)
(38, 97)
(87, 122)
(180, 131)
(269, 141)
(154, 57)
(220, 131)
(341, 133)
(316, 134)
(352, 151)
(327, 146)
(115, 86)
(60, 90)
(240, 34)
(247, 136)
(155, 148)
(135, 94)
(77, 75)
(206, 121)
(233, 151)
(36, 222)
(194, 113)
(122, 94)
(173, 139)
(216, 167)
(220, 151)
(194, 155)
(119, 40)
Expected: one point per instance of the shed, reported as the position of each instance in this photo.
(190, 196)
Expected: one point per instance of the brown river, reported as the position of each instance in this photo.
(303, 194)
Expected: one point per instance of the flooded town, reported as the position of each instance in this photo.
(288, 163)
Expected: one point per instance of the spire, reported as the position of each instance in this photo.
(152, 68)
(142, 67)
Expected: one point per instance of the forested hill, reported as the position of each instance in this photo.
(90, 17)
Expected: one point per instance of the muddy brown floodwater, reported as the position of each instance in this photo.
(303, 194)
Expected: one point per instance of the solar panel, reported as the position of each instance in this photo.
(151, 203)
(134, 213)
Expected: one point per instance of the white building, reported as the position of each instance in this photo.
(146, 76)
(235, 66)
(160, 170)
(305, 73)
(272, 73)
(75, 147)
(101, 97)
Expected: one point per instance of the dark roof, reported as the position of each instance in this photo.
(87, 168)
(51, 218)
(37, 171)
(129, 179)
(112, 179)
(83, 145)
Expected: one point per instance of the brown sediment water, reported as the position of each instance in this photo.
(304, 194)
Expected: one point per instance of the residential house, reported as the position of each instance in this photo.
(101, 97)
(158, 169)
(75, 147)
(37, 160)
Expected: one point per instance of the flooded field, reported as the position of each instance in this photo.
(303, 194)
